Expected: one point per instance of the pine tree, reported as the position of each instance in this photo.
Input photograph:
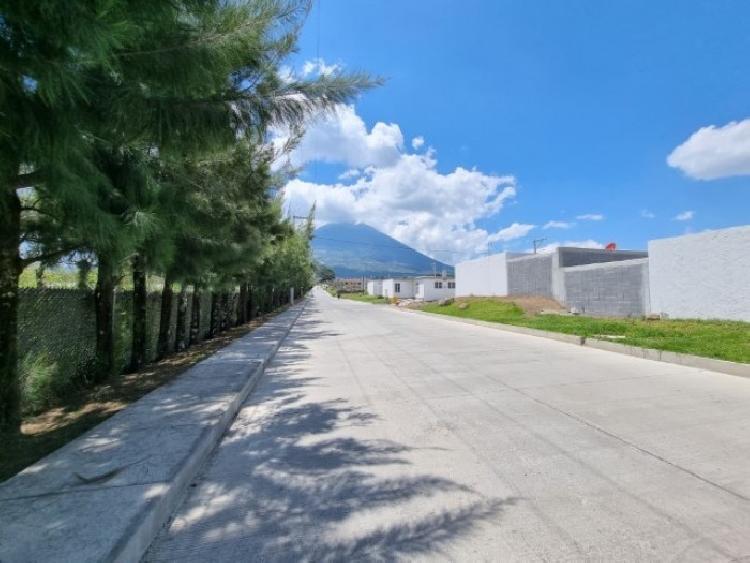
(98, 100)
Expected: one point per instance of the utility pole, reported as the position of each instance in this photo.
(537, 242)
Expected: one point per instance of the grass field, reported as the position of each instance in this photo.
(365, 298)
(725, 340)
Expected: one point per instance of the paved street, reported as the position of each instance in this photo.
(380, 434)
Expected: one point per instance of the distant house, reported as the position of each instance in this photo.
(375, 287)
(431, 288)
(399, 288)
(348, 284)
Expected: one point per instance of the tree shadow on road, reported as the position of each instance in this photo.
(291, 481)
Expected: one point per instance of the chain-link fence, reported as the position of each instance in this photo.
(57, 336)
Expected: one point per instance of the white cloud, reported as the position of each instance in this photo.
(579, 243)
(591, 217)
(342, 137)
(404, 195)
(684, 216)
(349, 174)
(646, 214)
(558, 225)
(512, 232)
(417, 142)
(714, 152)
(319, 66)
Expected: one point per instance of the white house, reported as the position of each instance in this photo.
(431, 288)
(375, 287)
(400, 288)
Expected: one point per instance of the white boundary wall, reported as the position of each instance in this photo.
(703, 276)
(486, 276)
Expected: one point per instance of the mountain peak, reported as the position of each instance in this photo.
(361, 250)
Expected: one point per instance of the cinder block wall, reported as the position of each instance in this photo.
(530, 275)
(704, 276)
(608, 289)
(570, 256)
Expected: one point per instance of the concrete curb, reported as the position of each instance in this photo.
(105, 495)
(720, 366)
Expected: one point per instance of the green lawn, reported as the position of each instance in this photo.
(363, 297)
(725, 340)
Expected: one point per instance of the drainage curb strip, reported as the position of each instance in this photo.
(711, 364)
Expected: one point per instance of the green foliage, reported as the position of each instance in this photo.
(40, 382)
(139, 131)
(725, 340)
(365, 298)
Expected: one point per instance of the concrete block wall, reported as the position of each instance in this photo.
(568, 257)
(703, 276)
(571, 256)
(531, 275)
(608, 289)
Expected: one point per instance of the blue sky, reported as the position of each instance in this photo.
(580, 102)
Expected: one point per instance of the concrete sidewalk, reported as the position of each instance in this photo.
(104, 496)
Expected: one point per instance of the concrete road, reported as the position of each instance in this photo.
(379, 434)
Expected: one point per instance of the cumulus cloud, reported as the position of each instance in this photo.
(342, 137)
(403, 194)
(319, 66)
(416, 204)
(646, 214)
(558, 225)
(714, 152)
(590, 217)
(684, 216)
(349, 174)
(547, 248)
(512, 232)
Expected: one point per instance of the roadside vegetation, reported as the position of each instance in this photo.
(364, 298)
(52, 428)
(724, 340)
(128, 156)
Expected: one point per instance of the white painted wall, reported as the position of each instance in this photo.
(704, 276)
(375, 287)
(425, 290)
(483, 276)
(406, 288)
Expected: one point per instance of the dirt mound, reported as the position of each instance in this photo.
(531, 304)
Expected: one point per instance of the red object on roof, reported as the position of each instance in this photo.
(611, 246)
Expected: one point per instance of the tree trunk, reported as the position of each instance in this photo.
(104, 298)
(10, 271)
(165, 317)
(242, 305)
(214, 329)
(195, 316)
(223, 311)
(250, 303)
(140, 303)
(180, 329)
(40, 276)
